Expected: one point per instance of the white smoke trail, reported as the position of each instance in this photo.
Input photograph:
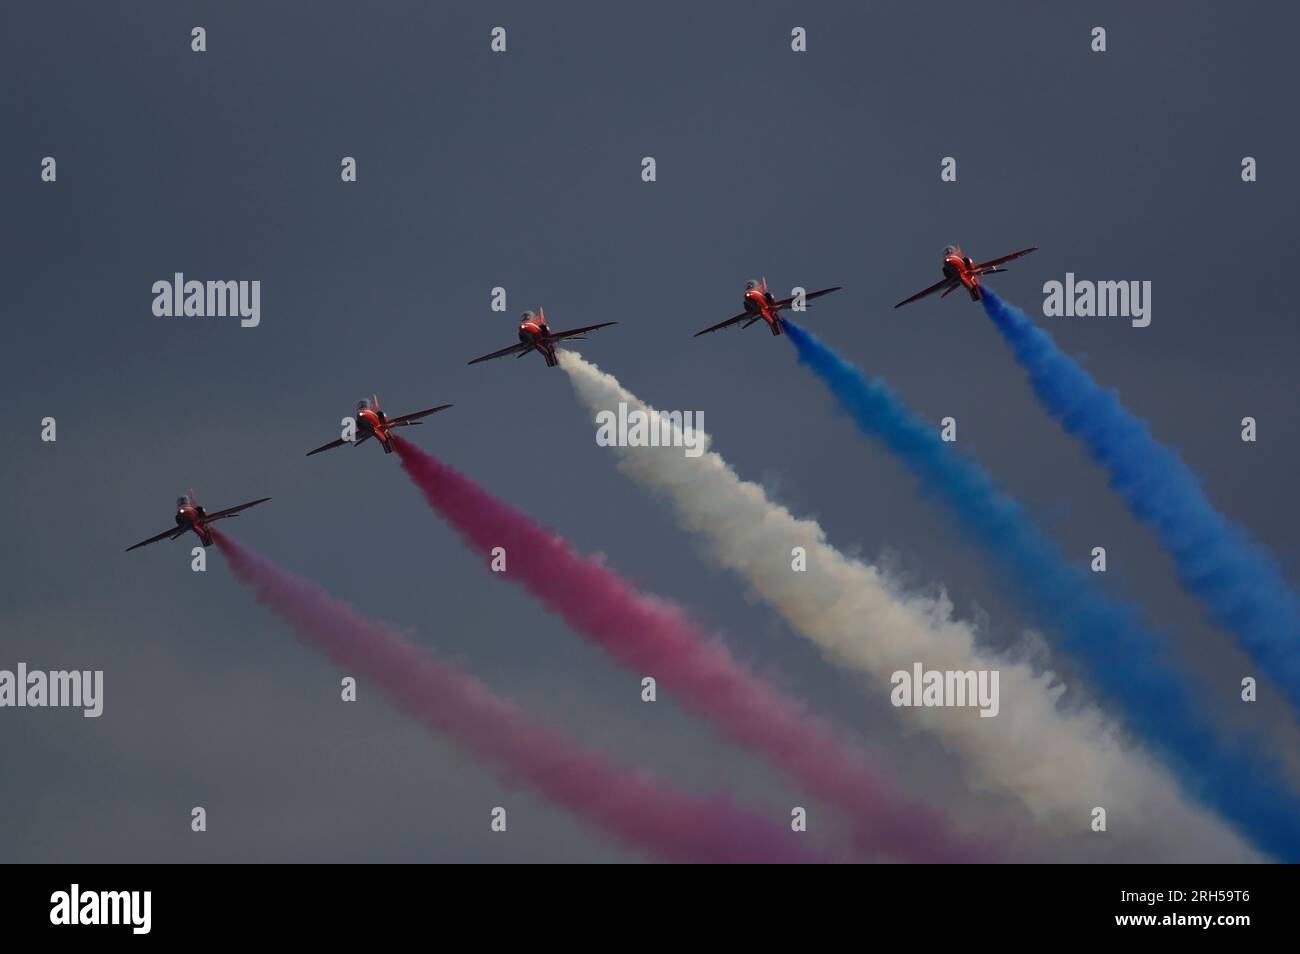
(1060, 764)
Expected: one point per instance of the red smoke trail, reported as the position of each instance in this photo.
(654, 638)
(632, 806)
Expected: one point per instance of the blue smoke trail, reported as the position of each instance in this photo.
(1123, 659)
(1216, 562)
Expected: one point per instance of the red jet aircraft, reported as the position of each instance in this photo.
(373, 422)
(534, 335)
(960, 271)
(190, 516)
(760, 305)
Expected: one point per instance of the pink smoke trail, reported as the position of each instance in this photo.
(654, 637)
(632, 806)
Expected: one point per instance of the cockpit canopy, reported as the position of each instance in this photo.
(182, 502)
(528, 316)
(751, 285)
(950, 250)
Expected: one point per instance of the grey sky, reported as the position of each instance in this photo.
(522, 170)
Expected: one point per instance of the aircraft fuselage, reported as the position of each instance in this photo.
(191, 516)
(759, 301)
(375, 423)
(534, 331)
(960, 267)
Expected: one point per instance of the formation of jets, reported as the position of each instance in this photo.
(535, 335)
